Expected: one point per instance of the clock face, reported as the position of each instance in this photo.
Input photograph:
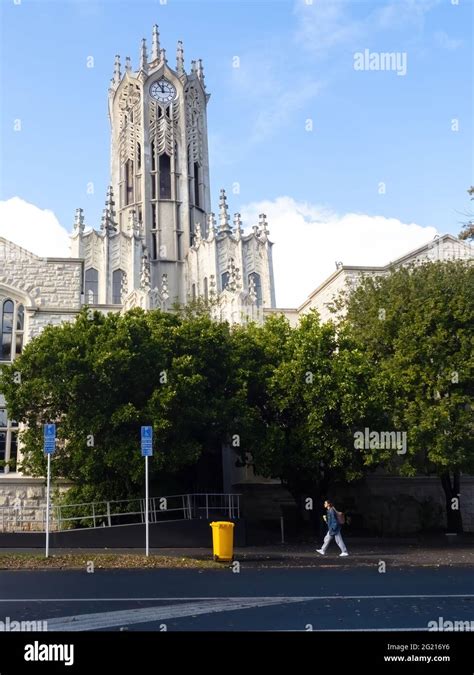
(163, 91)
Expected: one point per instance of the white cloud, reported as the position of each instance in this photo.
(37, 230)
(323, 24)
(309, 239)
(443, 40)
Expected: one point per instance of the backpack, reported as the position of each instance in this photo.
(341, 518)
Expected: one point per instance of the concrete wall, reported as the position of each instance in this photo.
(177, 534)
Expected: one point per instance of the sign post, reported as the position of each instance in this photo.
(147, 451)
(49, 444)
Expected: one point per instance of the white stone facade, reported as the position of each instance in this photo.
(446, 247)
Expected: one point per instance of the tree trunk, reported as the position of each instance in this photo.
(452, 494)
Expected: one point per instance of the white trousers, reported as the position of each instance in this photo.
(339, 541)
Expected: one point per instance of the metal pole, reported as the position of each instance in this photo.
(146, 505)
(47, 504)
(282, 527)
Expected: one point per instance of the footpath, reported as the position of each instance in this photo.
(440, 551)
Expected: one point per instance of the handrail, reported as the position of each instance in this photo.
(188, 506)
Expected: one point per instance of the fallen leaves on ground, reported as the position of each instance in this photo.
(29, 561)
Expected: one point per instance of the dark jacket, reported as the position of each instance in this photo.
(334, 526)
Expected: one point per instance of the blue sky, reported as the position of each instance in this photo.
(296, 70)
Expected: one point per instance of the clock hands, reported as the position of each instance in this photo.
(162, 90)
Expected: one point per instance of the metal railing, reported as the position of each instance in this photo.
(120, 512)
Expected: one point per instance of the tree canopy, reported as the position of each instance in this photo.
(102, 377)
(415, 325)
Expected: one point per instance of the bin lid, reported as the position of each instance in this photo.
(222, 523)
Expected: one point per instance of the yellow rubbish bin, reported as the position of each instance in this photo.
(223, 541)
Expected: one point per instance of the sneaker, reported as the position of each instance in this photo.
(342, 555)
(320, 550)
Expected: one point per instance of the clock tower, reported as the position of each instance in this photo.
(159, 158)
(159, 242)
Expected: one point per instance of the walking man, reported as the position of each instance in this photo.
(334, 530)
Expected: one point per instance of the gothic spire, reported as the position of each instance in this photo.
(108, 214)
(128, 64)
(237, 225)
(223, 213)
(193, 68)
(143, 57)
(263, 225)
(79, 220)
(117, 72)
(163, 58)
(180, 58)
(155, 48)
(200, 72)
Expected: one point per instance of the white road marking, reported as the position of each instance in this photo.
(217, 597)
(96, 621)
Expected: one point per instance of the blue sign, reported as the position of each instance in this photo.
(147, 441)
(49, 438)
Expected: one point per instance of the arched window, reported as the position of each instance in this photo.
(117, 280)
(206, 290)
(165, 176)
(139, 156)
(194, 291)
(225, 280)
(153, 156)
(20, 323)
(12, 324)
(92, 286)
(7, 330)
(258, 286)
(154, 248)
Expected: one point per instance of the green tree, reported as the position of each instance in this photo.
(307, 392)
(415, 326)
(102, 377)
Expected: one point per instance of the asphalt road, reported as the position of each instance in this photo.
(252, 599)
